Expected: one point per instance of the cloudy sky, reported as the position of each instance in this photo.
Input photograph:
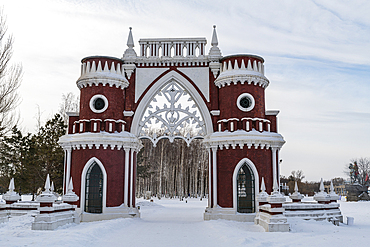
(317, 57)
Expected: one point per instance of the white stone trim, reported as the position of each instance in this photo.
(241, 76)
(272, 112)
(83, 183)
(235, 186)
(128, 113)
(241, 107)
(92, 100)
(243, 138)
(215, 112)
(172, 75)
(89, 140)
(92, 75)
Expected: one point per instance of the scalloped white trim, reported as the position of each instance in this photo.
(243, 77)
(243, 138)
(104, 139)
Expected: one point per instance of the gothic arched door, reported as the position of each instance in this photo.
(245, 190)
(94, 189)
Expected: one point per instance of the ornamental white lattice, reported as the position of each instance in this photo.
(173, 114)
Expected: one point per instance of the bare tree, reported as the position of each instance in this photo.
(70, 103)
(10, 79)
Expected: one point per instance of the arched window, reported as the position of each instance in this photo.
(94, 189)
(245, 190)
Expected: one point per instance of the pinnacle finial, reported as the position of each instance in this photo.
(11, 185)
(47, 184)
(52, 186)
(130, 40)
(322, 189)
(70, 186)
(276, 186)
(296, 187)
(263, 187)
(331, 187)
(214, 37)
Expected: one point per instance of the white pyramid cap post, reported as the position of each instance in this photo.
(263, 187)
(333, 197)
(70, 186)
(322, 196)
(46, 198)
(296, 187)
(296, 196)
(322, 188)
(47, 184)
(11, 185)
(70, 197)
(276, 197)
(262, 196)
(52, 186)
(11, 196)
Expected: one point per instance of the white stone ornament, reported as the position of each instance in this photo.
(321, 196)
(172, 110)
(296, 195)
(11, 195)
(47, 196)
(70, 196)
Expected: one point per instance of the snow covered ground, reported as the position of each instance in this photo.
(177, 223)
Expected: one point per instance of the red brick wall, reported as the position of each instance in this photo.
(227, 159)
(115, 98)
(228, 96)
(114, 164)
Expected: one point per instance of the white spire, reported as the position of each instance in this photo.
(130, 40)
(214, 41)
(52, 186)
(11, 185)
(263, 187)
(215, 52)
(47, 183)
(276, 186)
(322, 189)
(70, 186)
(331, 187)
(296, 187)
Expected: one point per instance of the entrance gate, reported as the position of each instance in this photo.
(172, 89)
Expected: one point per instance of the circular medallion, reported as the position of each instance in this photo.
(245, 102)
(98, 103)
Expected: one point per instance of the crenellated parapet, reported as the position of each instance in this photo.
(243, 69)
(102, 70)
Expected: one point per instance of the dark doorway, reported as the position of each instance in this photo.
(245, 182)
(94, 189)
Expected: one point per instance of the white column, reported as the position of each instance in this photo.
(131, 176)
(68, 158)
(127, 163)
(214, 159)
(274, 151)
(209, 177)
(64, 169)
(278, 167)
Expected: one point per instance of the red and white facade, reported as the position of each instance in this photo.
(122, 97)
